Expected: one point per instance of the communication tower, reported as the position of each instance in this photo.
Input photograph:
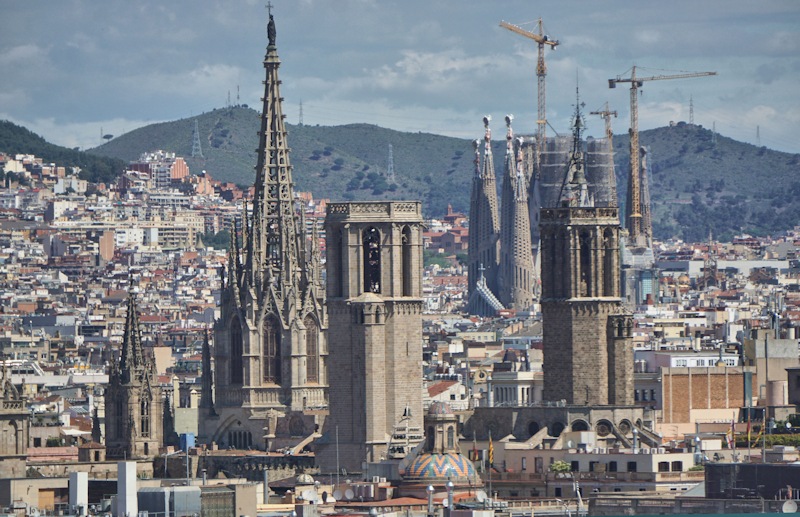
(197, 149)
(390, 165)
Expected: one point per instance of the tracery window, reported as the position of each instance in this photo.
(144, 421)
(372, 260)
(237, 372)
(312, 349)
(271, 350)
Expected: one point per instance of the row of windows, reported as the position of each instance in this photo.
(271, 351)
(705, 362)
(644, 395)
(372, 256)
(613, 466)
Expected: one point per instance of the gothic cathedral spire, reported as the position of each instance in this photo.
(516, 277)
(484, 221)
(270, 340)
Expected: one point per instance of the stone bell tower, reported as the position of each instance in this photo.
(588, 349)
(374, 286)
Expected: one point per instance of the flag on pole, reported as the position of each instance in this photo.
(758, 436)
(491, 451)
(731, 435)
(748, 426)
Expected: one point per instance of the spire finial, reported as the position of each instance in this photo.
(270, 26)
(509, 133)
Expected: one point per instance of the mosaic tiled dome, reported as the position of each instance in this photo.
(440, 408)
(441, 467)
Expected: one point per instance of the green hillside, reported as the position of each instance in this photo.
(341, 163)
(725, 187)
(16, 139)
(697, 184)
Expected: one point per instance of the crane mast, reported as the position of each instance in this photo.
(635, 216)
(606, 115)
(541, 72)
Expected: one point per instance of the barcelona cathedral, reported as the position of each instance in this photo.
(334, 360)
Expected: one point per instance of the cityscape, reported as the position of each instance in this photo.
(178, 343)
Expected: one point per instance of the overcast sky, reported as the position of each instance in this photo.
(74, 68)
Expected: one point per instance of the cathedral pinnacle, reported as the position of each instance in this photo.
(132, 358)
(575, 190)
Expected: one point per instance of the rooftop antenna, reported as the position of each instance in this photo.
(300, 119)
(237, 95)
(758, 136)
(691, 110)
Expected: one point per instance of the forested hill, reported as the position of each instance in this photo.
(698, 182)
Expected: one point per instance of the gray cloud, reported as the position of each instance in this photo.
(410, 65)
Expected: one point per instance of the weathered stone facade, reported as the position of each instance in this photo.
(270, 346)
(133, 399)
(587, 334)
(525, 422)
(14, 428)
(517, 276)
(484, 247)
(374, 286)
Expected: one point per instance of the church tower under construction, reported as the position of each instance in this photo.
(587, 335)
(516, 277)
(270, 340)
(484, 249)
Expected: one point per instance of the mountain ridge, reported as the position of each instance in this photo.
(700, 183)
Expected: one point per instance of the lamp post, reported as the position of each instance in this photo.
(450, 486)
(635, 440)
(429, 490)
(698, 454)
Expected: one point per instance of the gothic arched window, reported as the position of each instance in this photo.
(144, 413)
(312, 349)
(408, 288)
(586, 287)
(271, 350)
(372, 260)
(118, 418)
(608, 263)
(237, 372)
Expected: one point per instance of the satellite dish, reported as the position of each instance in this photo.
(337, 494)
(570, 444)
(349, 494)
(480, 495)
(310, 495)
(789, 507)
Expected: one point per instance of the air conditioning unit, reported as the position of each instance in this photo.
(376, 479)
(662, 450)
(603, 450)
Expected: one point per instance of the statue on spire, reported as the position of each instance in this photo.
(271, 31)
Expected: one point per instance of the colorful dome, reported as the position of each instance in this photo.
(440, 408)
(441, 467)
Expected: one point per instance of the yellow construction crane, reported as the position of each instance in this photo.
(541, 71)
(635, 217)
(606, 114)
